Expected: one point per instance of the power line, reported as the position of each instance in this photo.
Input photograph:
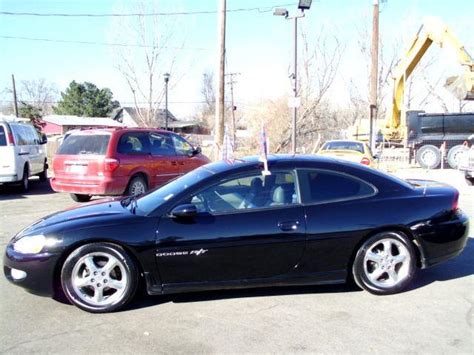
(111, 44)
(204, 12)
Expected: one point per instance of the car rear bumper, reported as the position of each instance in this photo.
(445, 241)
(108, 186)
(35, 273)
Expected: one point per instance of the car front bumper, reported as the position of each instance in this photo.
(34, 272)
(8, 178)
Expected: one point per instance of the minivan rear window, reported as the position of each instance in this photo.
(85, 144)
(3, 137)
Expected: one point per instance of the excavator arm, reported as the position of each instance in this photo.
(432, 31)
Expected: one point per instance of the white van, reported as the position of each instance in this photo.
(22, 153)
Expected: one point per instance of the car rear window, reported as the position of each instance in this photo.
(85, 144)
(358, 147)
(3, 137)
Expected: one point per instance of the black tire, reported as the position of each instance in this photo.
(454, 154)
(43, 176)
(81, 198)
(25, 183)
(137, 186)
(469, 180)
(428, 156)
(377, 276)
(90, 285)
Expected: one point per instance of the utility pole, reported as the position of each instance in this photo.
(374, 72)
(220, 95)
(15, 101)
(231, 84)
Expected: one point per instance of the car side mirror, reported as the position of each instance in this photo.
(43, 139)
(197, 151)
(187, 210)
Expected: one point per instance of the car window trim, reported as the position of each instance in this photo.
(244, 210)
(302, 172)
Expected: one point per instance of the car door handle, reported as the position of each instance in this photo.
(288, 226)
(174, 163)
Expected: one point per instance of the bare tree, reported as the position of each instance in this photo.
(36, 93)
(143, 66)
(209, 98)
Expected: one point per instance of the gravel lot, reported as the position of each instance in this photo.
(434, 316)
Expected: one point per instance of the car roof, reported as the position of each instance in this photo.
(344, 141)
(115, 129)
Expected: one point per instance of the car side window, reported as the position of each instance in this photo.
(321, 186)
(19, 134)
(161, 144)
(134, 143)
(248, 192)
(181, 146)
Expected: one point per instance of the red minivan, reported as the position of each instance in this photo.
(117, 161)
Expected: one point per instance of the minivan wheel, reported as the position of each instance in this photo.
(99, 277)
(137, 186)
(43, 176)
(25, 179)
(385, 264)
(81, 198)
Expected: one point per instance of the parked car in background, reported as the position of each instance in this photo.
(355, 151)
(117, 161)
(22, 153)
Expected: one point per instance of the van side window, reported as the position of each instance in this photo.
(181, 146)
(19, 134)
(3, 137)
(134, 143)
(161, 144)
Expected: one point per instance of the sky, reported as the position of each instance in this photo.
(258, 44)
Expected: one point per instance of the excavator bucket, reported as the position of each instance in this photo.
(462, 86)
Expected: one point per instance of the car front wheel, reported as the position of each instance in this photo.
(99, 277)
(385, 264)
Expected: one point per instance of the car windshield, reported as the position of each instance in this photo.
(342, 145)
(155, 198)
(85, 144)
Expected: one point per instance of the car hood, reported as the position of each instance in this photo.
(84, 215)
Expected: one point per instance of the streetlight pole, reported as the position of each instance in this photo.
(167, 79)
(295, 87)
(302, 5)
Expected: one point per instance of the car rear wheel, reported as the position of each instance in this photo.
(99, 277)
(385, 264)
(428, 156)
(43, 176)
(81, 198)
(25, 183)
(137, 186)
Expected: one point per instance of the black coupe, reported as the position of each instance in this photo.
(308, 221)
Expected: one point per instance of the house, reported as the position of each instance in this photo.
(60, 124)
(129, 117)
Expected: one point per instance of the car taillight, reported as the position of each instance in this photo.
(365, 161)
(455, 201)
(11, 141)
(111, 164)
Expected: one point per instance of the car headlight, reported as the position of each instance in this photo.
(32, 244)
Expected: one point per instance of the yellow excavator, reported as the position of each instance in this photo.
(462, 87)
